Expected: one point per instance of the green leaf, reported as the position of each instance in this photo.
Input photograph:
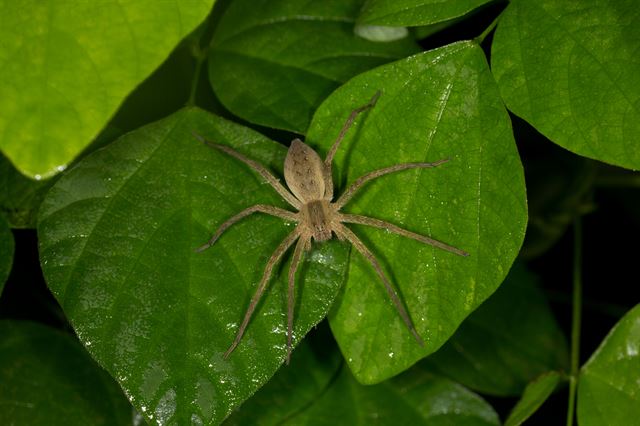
(317, 389)
(314, 366)
(117, 239)
(439, 104)
(415, 12)
(273, 62)
(49, 379)
(511, 339)
(571, 69)
(413, 398)
(20, 197)
(6, 251)
(608, 387)
(66, 68)
(535, 394)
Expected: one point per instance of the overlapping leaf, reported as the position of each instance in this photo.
(508, 342)
(117, 235)
(65, 69)
(48, 379)
(535, 394)
(439, 104)
(415, 12)
(6, 251)
(273, 61)
(572, 70)
(416, 397)
(608, 387)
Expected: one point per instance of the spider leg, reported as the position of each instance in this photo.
(257, 167)
(359, 245)
(328, 161)
(295, 262)
(377, 223)
(358, 183)
(275, 257)
(271, 210)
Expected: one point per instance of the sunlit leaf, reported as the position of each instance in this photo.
(118, 234)
(439, 104)
(572, 70)
(66, 67)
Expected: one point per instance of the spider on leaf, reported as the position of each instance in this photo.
(318, 217)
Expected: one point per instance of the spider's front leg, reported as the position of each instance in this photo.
(258, 208)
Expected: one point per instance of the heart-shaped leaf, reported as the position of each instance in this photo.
(48, 379)
(535, 394)
(6, 251)
(509, 341)
(572, 70)
(608, 386)
(273, 61)
(415, 12)
(118, 234)
(436, 105)
(66, 68)
(414, 398)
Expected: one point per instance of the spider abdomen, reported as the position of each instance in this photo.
(317, 215)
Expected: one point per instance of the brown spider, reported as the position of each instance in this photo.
(311, 185)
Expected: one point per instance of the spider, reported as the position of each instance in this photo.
(318, 217)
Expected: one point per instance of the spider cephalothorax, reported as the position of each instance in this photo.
(318, 217)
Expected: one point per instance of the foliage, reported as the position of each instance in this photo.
(132, 193)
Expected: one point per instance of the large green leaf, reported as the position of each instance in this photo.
(535, 394)
(572, 70)
(273, 61)
(439, 104)
(331, 396)
(117, 236)
(66, 67)
(6, 251)
(608, 386)
(415, 12)
(48, 379)
(509, 341)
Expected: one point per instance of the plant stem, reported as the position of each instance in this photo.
(490, 28)
(577, 313)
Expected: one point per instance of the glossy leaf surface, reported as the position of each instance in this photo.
(48, 379)
(415, 12)
(6, 251)
(608, 387)
(436, 105)
(118, 234)
(572, 70)
(535, 394)
(273, 61)
(509, 341)
(66, 68)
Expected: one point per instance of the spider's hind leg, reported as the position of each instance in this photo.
(359, 245)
